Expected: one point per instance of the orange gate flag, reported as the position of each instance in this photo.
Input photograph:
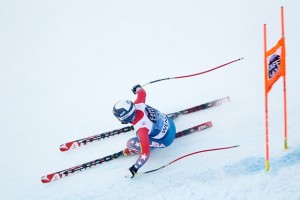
(275, 59)
(274, 68)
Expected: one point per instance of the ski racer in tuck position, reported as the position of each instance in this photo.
(154, 129)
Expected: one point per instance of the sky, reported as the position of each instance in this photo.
(64, 64)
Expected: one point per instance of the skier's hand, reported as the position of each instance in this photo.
(131, 172)
(135, 88)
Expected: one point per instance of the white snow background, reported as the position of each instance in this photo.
(64, 63)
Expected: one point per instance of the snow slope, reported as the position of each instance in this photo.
(65, 63)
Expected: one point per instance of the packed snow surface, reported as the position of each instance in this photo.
(65, 63)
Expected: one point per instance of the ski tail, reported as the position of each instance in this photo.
(199, 127)
(200, 107)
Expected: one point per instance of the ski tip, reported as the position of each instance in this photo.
(63, 148)
(44, 179)
(69, 145)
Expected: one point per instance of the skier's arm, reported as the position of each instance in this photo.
(141, 95)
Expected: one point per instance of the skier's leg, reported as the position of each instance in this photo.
(132, 147)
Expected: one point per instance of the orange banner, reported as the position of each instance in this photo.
(275, 67)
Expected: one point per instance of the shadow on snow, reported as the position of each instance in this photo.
(254, 165)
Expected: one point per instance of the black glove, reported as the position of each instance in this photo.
(135, 88)
(132, 172)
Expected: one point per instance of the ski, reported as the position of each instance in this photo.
(200, 107)
(199, 127)
(78, 143)
(67, 172)
(84, 141)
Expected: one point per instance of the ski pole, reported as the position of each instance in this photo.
(196, 74)
(202, 151)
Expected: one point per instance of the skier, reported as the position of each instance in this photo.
(154, 129)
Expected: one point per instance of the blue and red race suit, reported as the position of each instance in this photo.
(154, 130)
